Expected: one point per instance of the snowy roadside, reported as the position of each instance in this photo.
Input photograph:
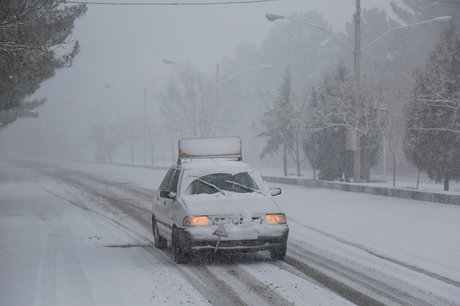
(403, 182)
(60, 245)
(371, 243)
(415, 232)
(55, 253)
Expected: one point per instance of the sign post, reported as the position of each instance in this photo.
(384, 125)
(219, 232)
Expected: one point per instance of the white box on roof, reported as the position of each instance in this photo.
(210, 147)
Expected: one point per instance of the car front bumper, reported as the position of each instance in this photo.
(240, 239)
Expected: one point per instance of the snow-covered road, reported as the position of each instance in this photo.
(79, 234)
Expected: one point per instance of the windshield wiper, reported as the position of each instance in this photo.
(243, 186)
(210, 185)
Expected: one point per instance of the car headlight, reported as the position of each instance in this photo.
(275, 219)
(196, 221)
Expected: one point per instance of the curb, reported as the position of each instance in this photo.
(382, 191)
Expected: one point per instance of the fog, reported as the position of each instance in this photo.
(121, 59)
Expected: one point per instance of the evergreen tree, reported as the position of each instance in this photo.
(34, 43)
(332, 113)
(325, 144)
(432, 141)
(276, 122)
(284, 125)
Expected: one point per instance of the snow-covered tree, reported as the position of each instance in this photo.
(284, 125)
(35, 41)
(433, 129)
(332, 113)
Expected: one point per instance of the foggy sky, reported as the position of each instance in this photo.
(123, 47)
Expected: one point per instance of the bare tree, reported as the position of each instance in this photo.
(189, 104)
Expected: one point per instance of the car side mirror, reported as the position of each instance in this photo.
(168, 194)
(275, 191)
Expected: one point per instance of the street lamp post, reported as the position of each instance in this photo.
(383, 126)
(357, 51)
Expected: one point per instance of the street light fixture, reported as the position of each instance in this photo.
(273, 17)
(378, 39)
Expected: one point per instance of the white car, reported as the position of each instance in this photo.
(212, 201)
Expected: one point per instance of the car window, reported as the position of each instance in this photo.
(221, 182)
(167, 180)
(174, 181)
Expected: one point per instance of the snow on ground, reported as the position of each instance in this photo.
(378, 180)
(55, 253)
(58, 247)
(421, 233)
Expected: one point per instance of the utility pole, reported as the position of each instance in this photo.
(357, 77)
(216, 122)
(145, 127)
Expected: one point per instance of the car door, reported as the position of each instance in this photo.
(172, 209)
(162, 201)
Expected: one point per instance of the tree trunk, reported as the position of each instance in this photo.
(314, 174)
(418, 178)
(284, 159)
(297, 154)
(151, 153)
(368, 170)
(132, 155)
(394, 168)
(446, 184)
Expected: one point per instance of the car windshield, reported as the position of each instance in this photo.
(211, 183)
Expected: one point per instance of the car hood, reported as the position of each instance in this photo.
(219, 205)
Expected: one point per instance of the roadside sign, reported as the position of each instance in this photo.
(220, 231)
(383, 118)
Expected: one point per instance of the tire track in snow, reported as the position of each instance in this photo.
(386, 258)
(311, 266)
(202, 278)
(357, 287)
(206, 278)
(216, 290)
(249, 282)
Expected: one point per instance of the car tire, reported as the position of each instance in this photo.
(179, 256)
(278, 253)
(159, 241)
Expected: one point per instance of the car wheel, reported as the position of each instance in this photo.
(179, 256)
(159, 241)
(278, 253)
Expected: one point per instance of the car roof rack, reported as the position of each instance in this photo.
(210, 147)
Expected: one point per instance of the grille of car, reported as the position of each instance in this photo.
(218, 220)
